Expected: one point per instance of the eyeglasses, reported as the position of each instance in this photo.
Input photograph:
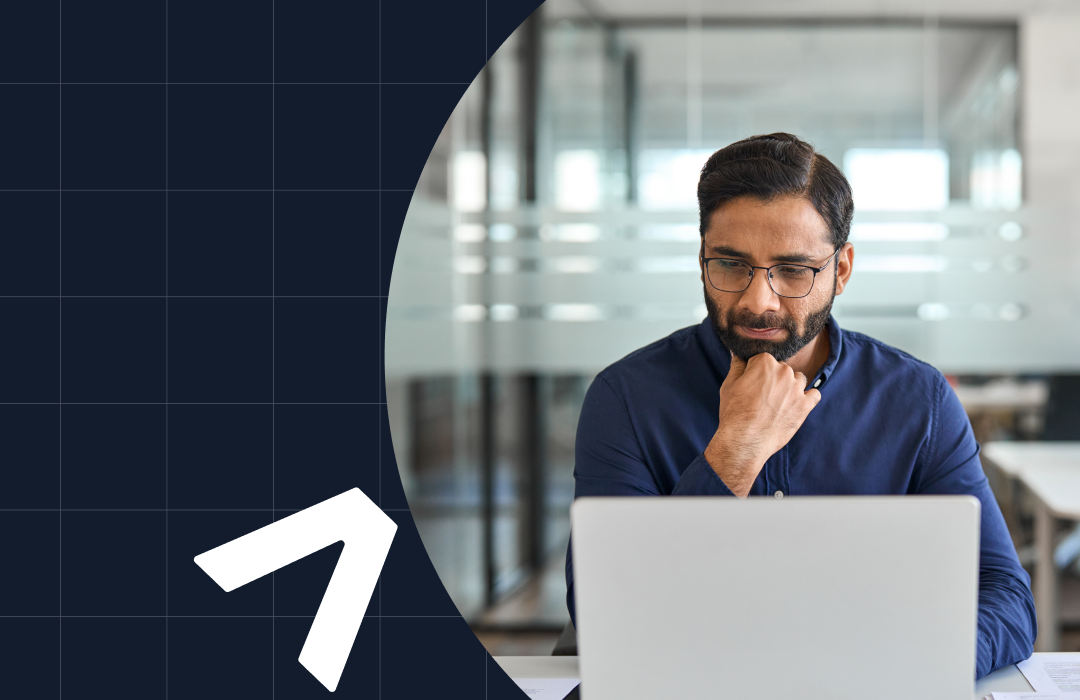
(786, 279)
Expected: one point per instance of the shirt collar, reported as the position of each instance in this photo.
(722, 357)
(836, 344)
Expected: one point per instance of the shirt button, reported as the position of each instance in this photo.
(779, 494)
(817, 383)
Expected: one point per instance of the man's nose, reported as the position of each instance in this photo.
(759, 297)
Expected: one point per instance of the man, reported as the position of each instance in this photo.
(769, 397)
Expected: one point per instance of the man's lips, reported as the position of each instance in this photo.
(760, 333)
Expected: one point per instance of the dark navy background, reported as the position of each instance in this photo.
(199, 207)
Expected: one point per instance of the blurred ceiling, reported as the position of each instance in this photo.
(765, 74)
(812, 68)
(620, 11)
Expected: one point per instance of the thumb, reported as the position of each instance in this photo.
(738, 366)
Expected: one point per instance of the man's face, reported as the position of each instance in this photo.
(782, 230)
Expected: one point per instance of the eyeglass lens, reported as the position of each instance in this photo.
(785, 280)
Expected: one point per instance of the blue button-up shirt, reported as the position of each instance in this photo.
(887, 423)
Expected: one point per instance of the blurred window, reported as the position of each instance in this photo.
(577, 180)
(898, 179)
(669, 177)
(468, 180)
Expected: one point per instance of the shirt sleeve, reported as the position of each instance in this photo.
(609, 461)
(1007, 628)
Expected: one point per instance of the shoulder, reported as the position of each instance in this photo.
(672, 354)
(888, 366)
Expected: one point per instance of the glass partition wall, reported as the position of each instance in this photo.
(554, 230)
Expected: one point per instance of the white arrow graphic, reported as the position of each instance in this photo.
(350, 517)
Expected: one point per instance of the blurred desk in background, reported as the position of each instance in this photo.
(1004, 406)
(1008, 394)
(1051, 473)
(1004, 680)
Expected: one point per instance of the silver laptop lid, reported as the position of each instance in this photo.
(795, 598)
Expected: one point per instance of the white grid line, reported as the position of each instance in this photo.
(205, 83)
(379, 327)
(201, 617)
(166, 349)
(273, 333)
(187, 403)
(172, 296)
(60, 355)
(224, 189)
(170, 510)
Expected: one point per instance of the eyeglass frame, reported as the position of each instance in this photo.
(768, 273)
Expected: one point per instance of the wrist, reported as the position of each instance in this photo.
(737, 465)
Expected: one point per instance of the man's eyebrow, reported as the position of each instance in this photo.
(729, 252)
(794, 258)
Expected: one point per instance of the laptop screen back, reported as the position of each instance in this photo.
(846, 597)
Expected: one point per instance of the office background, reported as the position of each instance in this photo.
(554, 230)
(199, 207)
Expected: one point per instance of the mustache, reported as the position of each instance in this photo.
(748, 320)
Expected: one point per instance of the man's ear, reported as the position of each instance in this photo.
(844, 261)
(701, 259)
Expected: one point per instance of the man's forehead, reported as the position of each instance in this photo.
(781, 228)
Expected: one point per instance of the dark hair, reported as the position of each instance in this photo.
(771, 166)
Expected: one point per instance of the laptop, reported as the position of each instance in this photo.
(795, 598)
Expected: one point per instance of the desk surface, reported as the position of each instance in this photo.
(1015, 457)
(1004, 394)
(1057, 486)
(1004, 680)
(1050, 469)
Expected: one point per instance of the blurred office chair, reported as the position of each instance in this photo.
(1063, 408)
(566, 644)
(1062, 422)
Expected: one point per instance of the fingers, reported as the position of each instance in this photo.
(765, 365)
(763, 357)
(738, 366)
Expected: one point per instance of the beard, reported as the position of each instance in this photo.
(745, 348)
